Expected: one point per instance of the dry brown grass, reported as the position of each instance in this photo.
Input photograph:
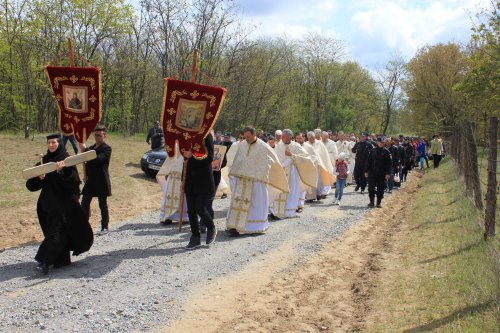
(133, 193)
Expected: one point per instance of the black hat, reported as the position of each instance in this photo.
(227, 134)
(157, 122)
(54, 136)
(270, 137)
(364, 134)
(380, 139)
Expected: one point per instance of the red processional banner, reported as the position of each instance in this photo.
(77, 91)
(189, 113)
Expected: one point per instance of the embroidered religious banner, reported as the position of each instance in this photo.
(189, 113)
(77, 91)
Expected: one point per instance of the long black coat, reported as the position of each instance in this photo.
(199, 175)
(61, 217)
(98, 183)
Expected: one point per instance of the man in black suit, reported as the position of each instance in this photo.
(97, 183)
(199, 188)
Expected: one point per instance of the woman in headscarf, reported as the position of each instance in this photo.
(61, 217)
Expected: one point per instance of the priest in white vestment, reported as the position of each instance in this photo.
(331, 146)
(258, 180)
(169, 177)
(323, 163)
(300, 139)
(300, 172)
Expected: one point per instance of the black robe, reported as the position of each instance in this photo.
(61, 217)
(98, 183)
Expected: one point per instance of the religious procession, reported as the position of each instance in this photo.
(249, 166)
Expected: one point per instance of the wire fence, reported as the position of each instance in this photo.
(479, 167)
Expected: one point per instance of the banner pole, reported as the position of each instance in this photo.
(71, 53)
(181, 209)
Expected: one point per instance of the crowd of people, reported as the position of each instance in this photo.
(273, 176)
(270, 177)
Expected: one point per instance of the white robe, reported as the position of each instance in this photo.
(346, 148)
(333, 152)
(258, 178)
(324, 158)
(287, 203)
(169, 179)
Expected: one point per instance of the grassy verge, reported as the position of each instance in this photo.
(446, 277)
(133, 193)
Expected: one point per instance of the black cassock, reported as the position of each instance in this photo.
(61, 217)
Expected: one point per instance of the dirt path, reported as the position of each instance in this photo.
(332, 292)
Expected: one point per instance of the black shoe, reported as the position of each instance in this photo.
(203, 230)
(390, 191)
(356, 188)
(167, 222)
(323, 196)
(362, 191)
(194, 242)
(211, 235)
(273, 217)
(299, 210)
(379, 205)
(310, 201)
(371, 205)
(232, 233)
(223, 196)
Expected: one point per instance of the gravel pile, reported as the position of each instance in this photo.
(137, 277)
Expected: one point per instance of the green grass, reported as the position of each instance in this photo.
(133, 193)
(448, 281)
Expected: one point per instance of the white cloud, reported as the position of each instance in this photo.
(290, 18)
(395, 26)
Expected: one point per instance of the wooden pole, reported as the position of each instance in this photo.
(491, 197)
(181, 209)
(71, 53)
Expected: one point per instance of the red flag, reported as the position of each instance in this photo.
(77, 91)
(189, 113)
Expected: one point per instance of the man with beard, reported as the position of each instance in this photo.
(97, 183)
(300, 172)
(361, 149)
(258, 179)
(299, 138)
(324, 165)
(61, 217)
(331, 146)
(378, 171)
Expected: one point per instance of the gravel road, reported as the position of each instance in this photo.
(137, 277)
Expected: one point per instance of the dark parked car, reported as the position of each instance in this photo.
(152, 161)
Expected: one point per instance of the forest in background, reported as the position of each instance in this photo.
(272, 83)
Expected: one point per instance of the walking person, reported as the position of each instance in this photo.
(60, 215)
(421, 153)
(378, 171)
(199, 188)
(97, 181)
(389, 143)
(72, 140)
(361, 149)
(436, 150)
(342, 172)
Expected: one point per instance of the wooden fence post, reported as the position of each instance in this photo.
(474, 169)
(491, 197)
